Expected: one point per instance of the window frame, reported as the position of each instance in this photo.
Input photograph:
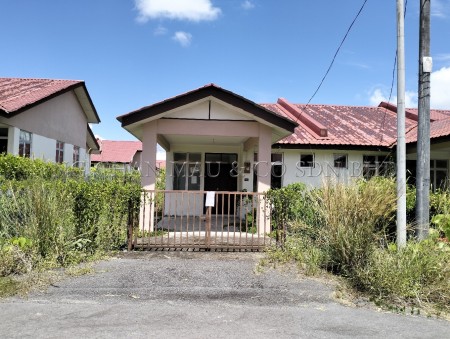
(187, 166)
(276, 165)
(339, 155)
(380, 166)
(434, 169)
(76, 156)
(313, 163)
(59, 157)
(23, 151)
(5, 137)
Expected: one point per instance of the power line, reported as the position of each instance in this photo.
(337, 52)
(393, 80)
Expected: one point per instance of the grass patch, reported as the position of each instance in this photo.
(349, 237)
(52, 216)
(8, 287)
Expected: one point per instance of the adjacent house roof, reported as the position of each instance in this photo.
(117, 151)
(352, 126)
(438, 129)
(18, 95)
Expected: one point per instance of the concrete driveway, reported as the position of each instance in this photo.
(198, 295)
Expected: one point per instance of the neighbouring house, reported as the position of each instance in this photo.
(47, 119)
(122, 155)
(217, 140)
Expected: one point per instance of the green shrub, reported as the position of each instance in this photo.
(292, 203)
(419, 272)
(66, 216)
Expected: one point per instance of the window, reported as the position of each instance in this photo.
(340, 160)
(276, 170)
(374, 165)
(186, 170)
(438, 174)
(25, 144)
(59, 152)
(3, 140)
(76, 156)
(307, 160)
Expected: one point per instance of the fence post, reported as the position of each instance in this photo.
(130, 226)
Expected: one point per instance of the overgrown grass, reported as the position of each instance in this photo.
(349, 236)
(416, 275)
(54, 216)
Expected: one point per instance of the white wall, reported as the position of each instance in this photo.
(324, 166)
(42, 147)
(60, 118)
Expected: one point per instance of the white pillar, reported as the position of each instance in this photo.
(148, 174)
(264, 175)
(13, 140)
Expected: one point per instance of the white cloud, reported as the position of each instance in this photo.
(183, 38)
(440, 8)
(247, 5)
(378, 95)
(160, 30)
(190, 10)
(440, 88)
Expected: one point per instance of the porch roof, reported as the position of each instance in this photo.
(157, 110)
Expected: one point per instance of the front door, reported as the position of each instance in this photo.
(219, 177)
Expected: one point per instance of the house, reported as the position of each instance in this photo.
(219, 141)
(47, 119)
(123, 155)
(275, 144)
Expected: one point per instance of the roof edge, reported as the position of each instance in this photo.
(201, 93)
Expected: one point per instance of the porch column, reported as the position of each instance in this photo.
(13, 140)
(264, 175)
(148, 170)
(148, 174)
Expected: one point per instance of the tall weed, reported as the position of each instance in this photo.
(354, 219)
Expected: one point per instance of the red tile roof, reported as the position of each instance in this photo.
(434, 114)
(438, 128)
(117, 151)
(17, 93)
(353, 125)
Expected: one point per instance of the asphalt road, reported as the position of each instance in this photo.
(198, 295)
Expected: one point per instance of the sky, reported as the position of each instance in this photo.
(133, 53)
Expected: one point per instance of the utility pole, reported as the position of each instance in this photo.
(423, 132)
(401, 145)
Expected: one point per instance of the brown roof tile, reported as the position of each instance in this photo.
(117, 151)
(346, 125)
(18, 93)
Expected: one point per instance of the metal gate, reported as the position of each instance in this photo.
(202, 220)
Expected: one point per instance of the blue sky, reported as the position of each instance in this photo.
(132, 53)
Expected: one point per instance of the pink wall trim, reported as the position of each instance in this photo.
(208, 128)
